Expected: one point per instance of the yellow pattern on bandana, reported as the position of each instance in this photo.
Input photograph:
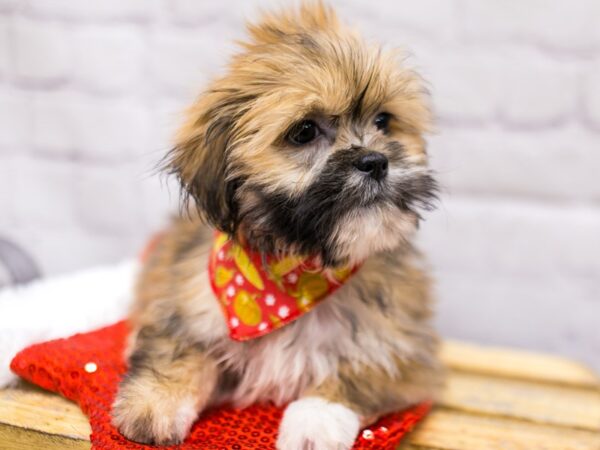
(260, 293)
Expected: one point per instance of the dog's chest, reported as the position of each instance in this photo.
(280, 366)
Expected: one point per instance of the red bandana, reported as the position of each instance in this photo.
(260, 293)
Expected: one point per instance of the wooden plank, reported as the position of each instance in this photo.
(518, 364)
(550, 404)
(16, 438)
(452, 430)
(29, 407)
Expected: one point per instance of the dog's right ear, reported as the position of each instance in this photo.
(200, 158)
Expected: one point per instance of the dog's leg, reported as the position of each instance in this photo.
(330, 415)
(167, 386)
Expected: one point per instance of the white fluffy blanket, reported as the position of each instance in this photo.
(60, 306)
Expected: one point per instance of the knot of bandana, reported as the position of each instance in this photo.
(259, 293)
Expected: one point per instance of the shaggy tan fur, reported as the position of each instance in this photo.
(370, 346)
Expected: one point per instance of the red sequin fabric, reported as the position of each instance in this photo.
(86, 368)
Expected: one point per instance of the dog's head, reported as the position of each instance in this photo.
(312, 142)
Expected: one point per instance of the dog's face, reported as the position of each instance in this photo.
(311, 143)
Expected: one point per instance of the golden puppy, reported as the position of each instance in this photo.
(310, 144)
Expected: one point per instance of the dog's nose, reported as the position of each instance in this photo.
(373, 163)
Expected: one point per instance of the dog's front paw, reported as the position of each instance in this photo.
(153, 416)
(313, 423)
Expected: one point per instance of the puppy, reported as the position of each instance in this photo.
(311, 145)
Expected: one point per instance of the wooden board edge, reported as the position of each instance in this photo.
(516, 363)
(407, 445)
(415, 447)
(18, 438)
(444, 429)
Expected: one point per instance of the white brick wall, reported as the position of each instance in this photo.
(41, 51)
(90, 93)
(590, 91)
(15, 120)
(553, 25)
(108, 63)
(126, 10)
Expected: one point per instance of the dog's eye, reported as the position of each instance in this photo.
(303, 132)
(382, 121)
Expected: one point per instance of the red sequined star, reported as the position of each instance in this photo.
(87, 368)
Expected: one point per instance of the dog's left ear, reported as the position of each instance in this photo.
(200, 158)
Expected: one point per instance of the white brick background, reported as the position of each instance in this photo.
(89, 93)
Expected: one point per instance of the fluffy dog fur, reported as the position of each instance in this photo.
(247, 169)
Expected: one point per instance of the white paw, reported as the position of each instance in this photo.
(313, 423)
